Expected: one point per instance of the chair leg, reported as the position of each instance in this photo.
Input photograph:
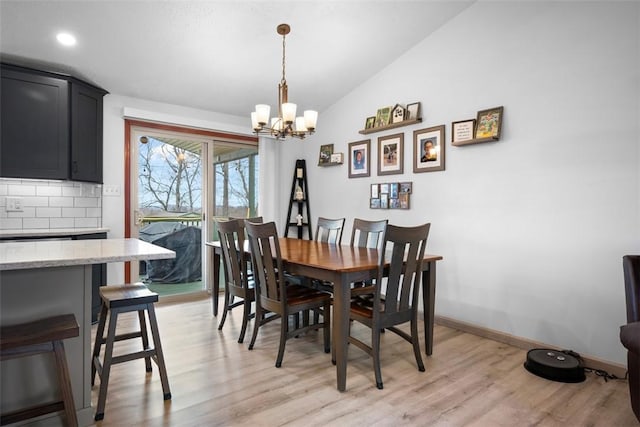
(246, 312)
(98, 342)
(375, 347)
(164, 379)
(65, 383)
(284, 328)
(256, 324)
(225, 308)
(416, 344)
(326, 319)
(106, 366)
(145, 338)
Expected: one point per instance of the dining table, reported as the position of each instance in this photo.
(341, 265)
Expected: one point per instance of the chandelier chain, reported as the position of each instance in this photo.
(284, 81)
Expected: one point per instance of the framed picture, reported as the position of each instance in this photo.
(384, 188)
(370, 123)
(398, 113)
(325, 154)
(489, 123)
(336, 158)
(463, 130)
(384, 201)
(375, 191)
(403, 199)
(413, 111)
(391, 154)
(405, 187)
(394, 190)
(383, 116)
(428, 149)
(375, 204)
(359, 158)
(394, 204)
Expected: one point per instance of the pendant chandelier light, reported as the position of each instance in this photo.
(286, 124)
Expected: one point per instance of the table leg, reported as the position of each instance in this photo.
(341, 306)
(428, 304)
(215, 292)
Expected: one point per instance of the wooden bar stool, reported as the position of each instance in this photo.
(42, 336)
(121, 299)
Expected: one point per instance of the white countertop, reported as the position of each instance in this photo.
(40, 254)
(49, 232)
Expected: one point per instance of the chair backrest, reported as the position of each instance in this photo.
(406, 246)
(267, 264)
(256, 219)
(232, 238)
(329, 230)
(367, 234)
(631, 268)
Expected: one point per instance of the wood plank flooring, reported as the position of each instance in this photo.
(469, 381)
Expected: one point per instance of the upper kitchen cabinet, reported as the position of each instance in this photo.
(51, 126)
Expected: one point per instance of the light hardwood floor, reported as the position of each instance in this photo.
(469, 381)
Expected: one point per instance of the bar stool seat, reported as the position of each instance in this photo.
(118, 299)
(42, 336)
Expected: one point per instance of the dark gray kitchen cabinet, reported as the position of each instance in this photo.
(51, 126)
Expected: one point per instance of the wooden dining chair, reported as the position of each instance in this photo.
(329, 230)
(399, 303)
(367, 234)
(237, 283)
(275, 295)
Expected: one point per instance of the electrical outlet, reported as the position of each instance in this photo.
(111, 190)
(14, 204)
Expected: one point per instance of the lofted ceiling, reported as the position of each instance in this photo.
(222, 56)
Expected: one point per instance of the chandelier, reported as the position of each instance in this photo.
(286, 124)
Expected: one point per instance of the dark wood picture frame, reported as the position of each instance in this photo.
(370, 123)
(429, 149)
(326, 151)
(360, 167)
(489, 123)
(413, 111)
(391, 154)
(463, 130)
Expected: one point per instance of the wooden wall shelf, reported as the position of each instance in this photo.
(475, 141)
(391, 126)
(330, 164)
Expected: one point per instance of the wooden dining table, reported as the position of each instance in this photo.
(340, 265)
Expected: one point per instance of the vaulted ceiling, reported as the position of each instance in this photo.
(223, 56)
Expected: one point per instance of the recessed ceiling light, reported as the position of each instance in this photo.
(66, 39)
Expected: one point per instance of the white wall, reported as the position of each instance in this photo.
(533, 227)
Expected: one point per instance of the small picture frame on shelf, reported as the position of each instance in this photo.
(397, 114)
(326, 151)
(489, 123)
(391, 154)
(428, 149)
(359, 159)
(370, 123)
(413, 111)
(337, 158)
(463, 130)
(383, 116)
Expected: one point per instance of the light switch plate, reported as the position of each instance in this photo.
(14, 204)
(111, 190)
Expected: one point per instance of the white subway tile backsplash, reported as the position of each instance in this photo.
(66, 202)
(74, 212)
(47, 190)
(85, 202)
(51, 204)
(48, 212)
(61, 222)
(21, 190)
(86, 223)
(28, 223)
(11, 223)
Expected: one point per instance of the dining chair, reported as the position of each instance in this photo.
(399, 303)
(329, 230)
(237, 280)
(274, 295)
(366, 234)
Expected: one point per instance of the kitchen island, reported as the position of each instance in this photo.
(45, 278)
